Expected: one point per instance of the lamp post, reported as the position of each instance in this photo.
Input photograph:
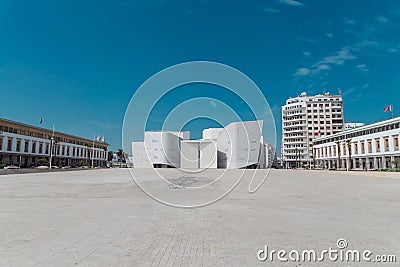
(93, 153)
(51, 146)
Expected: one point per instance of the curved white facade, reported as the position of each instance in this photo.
(198, 154)
(238, 144)
(160, 148)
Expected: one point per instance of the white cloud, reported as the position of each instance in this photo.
(271, 10)
(393, 50)
(291, 2)
(349, 22)
(339, 58)
(368, 43)
(382, 19)
(329, 35)
(307, 54)
(302, 72)
(362, 67)
(320, 67)
(308, 40)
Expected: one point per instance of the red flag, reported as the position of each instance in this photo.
(388, 108)
(318, 132)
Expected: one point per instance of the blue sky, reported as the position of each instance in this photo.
(78, 63)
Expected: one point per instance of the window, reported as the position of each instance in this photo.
(26, 146)
(18, 145)
(33, 147)
(9, 144)
(1, 143)
(386, 143)
(40, 148)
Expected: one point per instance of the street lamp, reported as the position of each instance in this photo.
(51, 147)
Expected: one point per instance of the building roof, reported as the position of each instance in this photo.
(361, 128)
(48, 131)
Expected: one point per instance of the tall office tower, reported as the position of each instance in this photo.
(305, 118)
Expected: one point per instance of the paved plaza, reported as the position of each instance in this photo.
(102, 218)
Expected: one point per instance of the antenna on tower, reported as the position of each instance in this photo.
(339, 91)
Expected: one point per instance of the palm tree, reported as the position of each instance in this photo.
(348, 143)
(120, 154)
(338, 146)
(110, 155)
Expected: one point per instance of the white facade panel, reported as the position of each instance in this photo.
(199, 154)
(239, 145)
(190, 155)
(208, 154)
(163, 147)
(139, 156)
(212, 133)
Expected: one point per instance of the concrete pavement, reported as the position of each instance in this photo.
(101, 218)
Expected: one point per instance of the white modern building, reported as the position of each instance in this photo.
(198, 154)
(305, 118)
(160, 149)
(373, 146)
(27, 146)
(236, 146)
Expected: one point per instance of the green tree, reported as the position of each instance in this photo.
(395, 162)
(110, 155)
(121, 156)
(42, 162)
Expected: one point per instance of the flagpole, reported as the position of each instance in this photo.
(392, 109)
